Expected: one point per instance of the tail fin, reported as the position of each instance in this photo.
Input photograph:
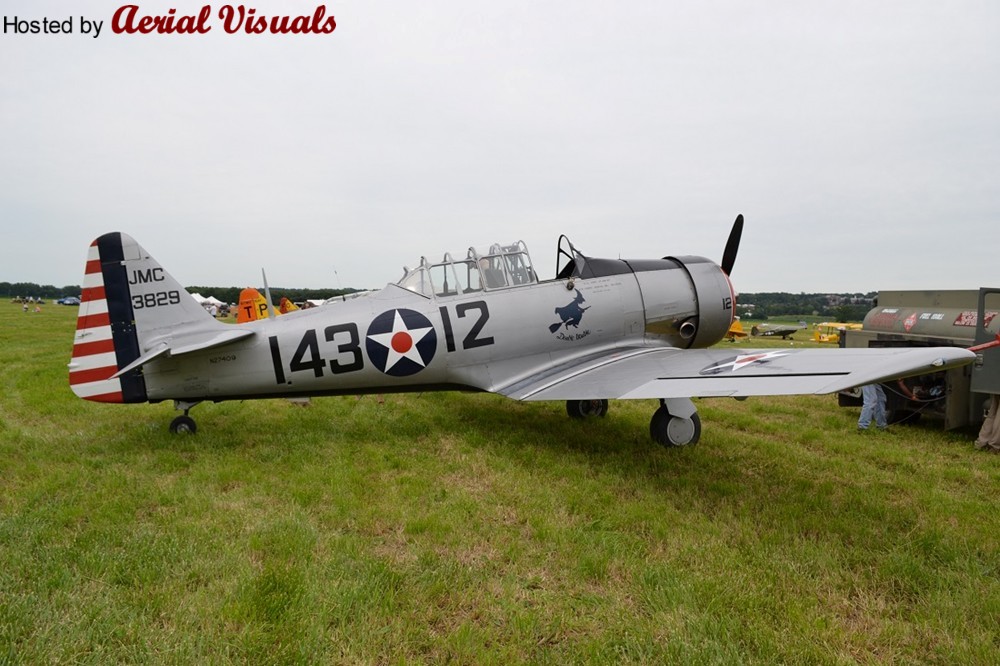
(127, 302)
(252, 306)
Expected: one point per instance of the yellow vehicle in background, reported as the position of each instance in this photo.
(830, 331)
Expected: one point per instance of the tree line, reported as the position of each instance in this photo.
(225, 294)
(36, 291)
(839, 307)
(232, 294)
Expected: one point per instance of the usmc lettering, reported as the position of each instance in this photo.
(146, 276)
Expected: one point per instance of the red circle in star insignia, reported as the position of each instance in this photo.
(402, 342)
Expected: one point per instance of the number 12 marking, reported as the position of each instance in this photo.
(471, 340)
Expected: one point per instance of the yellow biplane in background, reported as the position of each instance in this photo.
(830, 331)
(735, 330)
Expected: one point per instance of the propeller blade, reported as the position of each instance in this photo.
(732, 246)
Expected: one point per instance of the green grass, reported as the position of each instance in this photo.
(472, 529)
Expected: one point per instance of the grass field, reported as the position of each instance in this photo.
(460, 528)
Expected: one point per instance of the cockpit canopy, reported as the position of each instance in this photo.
(503, 266)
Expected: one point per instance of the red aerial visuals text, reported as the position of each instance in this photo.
(235, 19)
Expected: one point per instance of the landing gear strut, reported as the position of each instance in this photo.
(583, 409)
(675, 423)
(183, 425)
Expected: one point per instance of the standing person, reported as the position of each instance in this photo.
(989, 434)
(873, 406)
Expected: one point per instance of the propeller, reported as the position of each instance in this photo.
(732, 246)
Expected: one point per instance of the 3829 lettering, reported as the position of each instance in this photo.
(155, 299)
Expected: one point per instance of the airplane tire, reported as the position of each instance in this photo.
(583, 409)
(669, 430)
(183, 425)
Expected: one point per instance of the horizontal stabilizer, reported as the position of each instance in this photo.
(185, 344)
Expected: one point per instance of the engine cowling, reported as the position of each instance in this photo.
(688, 301)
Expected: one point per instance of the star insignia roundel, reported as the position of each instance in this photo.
(401, 342)
(743, 361)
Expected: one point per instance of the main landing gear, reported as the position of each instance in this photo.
(675, 423)
(183, 425)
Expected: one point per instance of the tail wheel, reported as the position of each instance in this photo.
(669, 430)
(583, 409)
(183, 425)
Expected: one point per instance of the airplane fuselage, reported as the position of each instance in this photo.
(398, 340)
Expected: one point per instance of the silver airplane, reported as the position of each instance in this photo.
(601, 329)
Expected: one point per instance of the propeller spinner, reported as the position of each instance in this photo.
(732, 246)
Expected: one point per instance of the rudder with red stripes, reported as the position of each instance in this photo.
(128, 305)
(105, 329)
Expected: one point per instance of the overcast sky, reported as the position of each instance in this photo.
(861, 140)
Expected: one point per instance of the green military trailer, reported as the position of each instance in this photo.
(956, 318)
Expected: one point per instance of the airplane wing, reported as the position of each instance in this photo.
(644, 372)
